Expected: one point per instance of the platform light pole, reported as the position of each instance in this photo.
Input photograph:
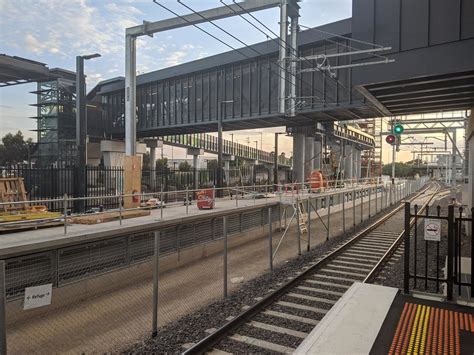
(81, 128)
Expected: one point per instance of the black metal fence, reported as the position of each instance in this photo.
(424, 267)
(42, 183)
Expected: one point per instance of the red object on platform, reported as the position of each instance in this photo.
(205, 199)
(316, 180)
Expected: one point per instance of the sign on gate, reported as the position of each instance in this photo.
(37, 296)
(432, 229)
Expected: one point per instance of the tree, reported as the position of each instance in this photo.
(14, 149)
(212, 164)
(401, 170)
(184, 166)
(146, 161)
(161, 164)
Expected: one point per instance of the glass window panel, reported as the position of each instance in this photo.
(205, 97)
(185, 99)
(213, 96)
(246, 90)
(192, 101)
(274, 78)
(199, 95)
(253, 87)
(237, 84)
(228, 93)
(264, 86)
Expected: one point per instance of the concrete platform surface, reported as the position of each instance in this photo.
(353, 323)
(29, 241)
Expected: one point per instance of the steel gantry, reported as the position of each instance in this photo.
(288, 8)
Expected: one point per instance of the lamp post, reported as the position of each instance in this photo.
(81, 129)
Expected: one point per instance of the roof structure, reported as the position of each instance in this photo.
(17, 70)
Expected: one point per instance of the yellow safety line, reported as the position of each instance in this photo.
(413, 331)
(425, 328)
(418, 330)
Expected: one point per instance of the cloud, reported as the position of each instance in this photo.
(175, 58)
(33, 44)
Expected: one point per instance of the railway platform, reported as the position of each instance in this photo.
(381, 320)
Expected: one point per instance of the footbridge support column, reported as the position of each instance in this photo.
(298, 156)
(153, 144)
(195, 152)
(308, 156)
(348, 161)
(317, 151)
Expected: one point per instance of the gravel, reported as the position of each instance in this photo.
(392, 275)
(191, 328)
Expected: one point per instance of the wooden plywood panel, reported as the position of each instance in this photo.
(132, 180)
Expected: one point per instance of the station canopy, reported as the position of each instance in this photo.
(16, 70)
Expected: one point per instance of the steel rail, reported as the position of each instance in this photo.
(212, 339)
(388, 254)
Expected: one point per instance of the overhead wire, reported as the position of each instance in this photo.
(246, 45)
(223, 42)
(285, 42)
(347, 38)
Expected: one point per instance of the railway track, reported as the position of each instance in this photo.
(280, 321)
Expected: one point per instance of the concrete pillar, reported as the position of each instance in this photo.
(357, 163)
(308, 156)
(348, 162)
(318, 148)
(298, 157)
(195, 152)
(153, 165)
(468, 188)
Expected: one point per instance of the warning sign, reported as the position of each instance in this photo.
(37, 296)
(433, 229)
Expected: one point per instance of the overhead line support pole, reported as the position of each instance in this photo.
(148, 28)
(282, 55)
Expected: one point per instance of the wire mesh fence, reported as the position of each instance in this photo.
(102, 291)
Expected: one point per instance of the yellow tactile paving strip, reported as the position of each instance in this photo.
(424, 329)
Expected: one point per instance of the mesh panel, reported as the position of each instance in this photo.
(141, 246)
(185, 236)
(233, 224)
(26, 271)
(90, 259)
(203, 231)
(251, 220)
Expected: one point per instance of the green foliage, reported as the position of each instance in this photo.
(161, 163)
(212, 164)
(146, 161)
(401, 170)
(14, 149)
(184, 166)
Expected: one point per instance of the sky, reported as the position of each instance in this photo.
(56, 31)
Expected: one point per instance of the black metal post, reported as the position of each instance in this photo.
(219, 150)
(275, 163)
(270, 238)
(472, 249)
(81, 133)
(450, 252)
(406, 268)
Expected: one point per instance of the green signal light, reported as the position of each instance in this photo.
(398, 129)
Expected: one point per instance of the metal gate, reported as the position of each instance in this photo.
(423, 257)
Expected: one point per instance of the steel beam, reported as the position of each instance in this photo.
(148, 28)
